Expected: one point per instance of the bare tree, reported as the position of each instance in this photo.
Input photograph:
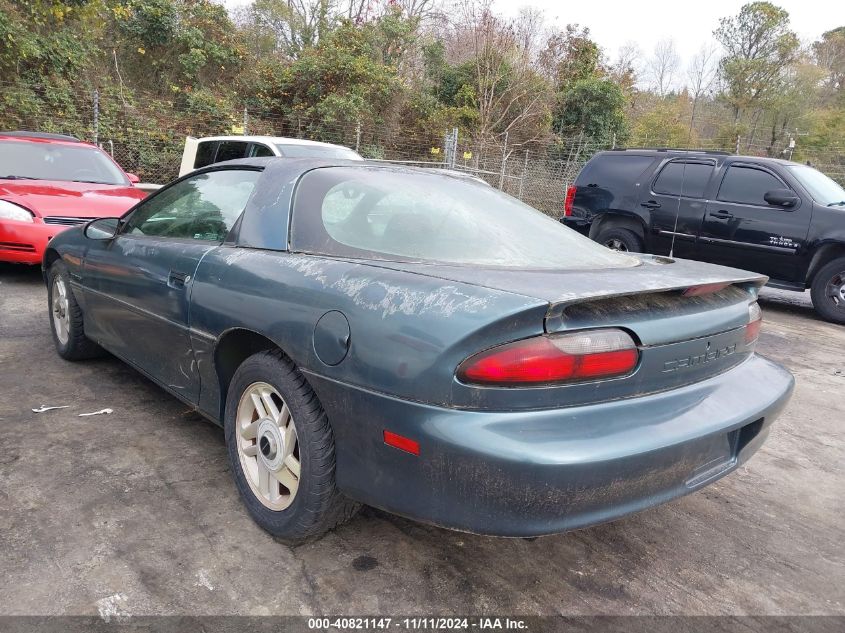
(701, 77)
(663, 67)
(627, 67)
(293, 25)
(512, 98)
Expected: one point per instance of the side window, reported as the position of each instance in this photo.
(683, 178)
(203, 207)
(230, 150)
(205, 153)
(257, 150)
(747, 185)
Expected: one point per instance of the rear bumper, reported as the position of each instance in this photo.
(530, 473)
(25, 242)
(577, 224)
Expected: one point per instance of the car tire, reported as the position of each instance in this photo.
(66, 317)
(618, 239)
(293, 503)
(828, 291)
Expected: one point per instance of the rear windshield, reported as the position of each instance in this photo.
(613, 168)
(317, 151)
(385, 213)
(55, 161)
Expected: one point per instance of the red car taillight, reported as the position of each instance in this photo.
(570, 198)
(755, 321)
(559, 358)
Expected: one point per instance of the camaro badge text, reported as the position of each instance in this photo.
(700, 359)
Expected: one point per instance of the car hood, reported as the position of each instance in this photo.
(70, 199)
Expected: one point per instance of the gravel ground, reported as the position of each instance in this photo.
(135, 512)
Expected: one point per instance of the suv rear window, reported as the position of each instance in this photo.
(606, 168)
(684, 178)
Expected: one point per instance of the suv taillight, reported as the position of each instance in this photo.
(755, 321)
(553, 359)
(570, 198)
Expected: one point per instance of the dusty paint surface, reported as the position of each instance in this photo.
(135, 513)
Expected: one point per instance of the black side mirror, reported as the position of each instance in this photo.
(102, 228)
(781, 198)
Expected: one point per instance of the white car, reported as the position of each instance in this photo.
(201, 152)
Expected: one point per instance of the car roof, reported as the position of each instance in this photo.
(271, 140)
(303, 164)
(41, 137)
(694, 153)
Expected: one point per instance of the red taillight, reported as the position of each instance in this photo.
(553, 359)
(570, 198)
(755, 322)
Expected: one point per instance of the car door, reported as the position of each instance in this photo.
(742, 230)
(676, 203)
(137, 285)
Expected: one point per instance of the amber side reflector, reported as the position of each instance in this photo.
(401, 442)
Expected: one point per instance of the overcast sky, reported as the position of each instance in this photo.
(612, 23)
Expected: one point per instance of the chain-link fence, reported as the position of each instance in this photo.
(151, 145)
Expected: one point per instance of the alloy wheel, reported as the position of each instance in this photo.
(268, 446)
(616, 244)
(835, 290)
(61, 317)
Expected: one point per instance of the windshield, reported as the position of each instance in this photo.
(317, 151)
(54, 161)
(823, 189)
(383, 213)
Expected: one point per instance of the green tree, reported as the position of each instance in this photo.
(570, 56)
(759, 46)
(829, 52)
(350, 75)
(594, 107)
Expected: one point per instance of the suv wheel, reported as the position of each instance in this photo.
(623, 240)
(828, 291)
(281, 450)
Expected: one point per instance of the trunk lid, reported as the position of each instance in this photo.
(682, 339)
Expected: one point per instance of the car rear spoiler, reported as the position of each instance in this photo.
(660, 286)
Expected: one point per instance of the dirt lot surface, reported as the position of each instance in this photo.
(135, 512)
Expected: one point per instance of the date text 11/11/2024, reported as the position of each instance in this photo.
(418, 623)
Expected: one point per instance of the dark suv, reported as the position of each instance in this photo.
(772, 216)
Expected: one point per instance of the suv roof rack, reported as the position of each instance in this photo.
(42, 135)
(680, 150)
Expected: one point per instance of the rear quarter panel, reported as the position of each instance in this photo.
(408, 332)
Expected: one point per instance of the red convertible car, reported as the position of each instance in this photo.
(49, 182)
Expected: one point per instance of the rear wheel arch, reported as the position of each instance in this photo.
(611, 220)
(823, 255)
(233, 347)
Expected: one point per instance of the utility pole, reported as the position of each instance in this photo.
(504, 162)
(96, 117)
(358, 136)
(246, 122)
(524, 172)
